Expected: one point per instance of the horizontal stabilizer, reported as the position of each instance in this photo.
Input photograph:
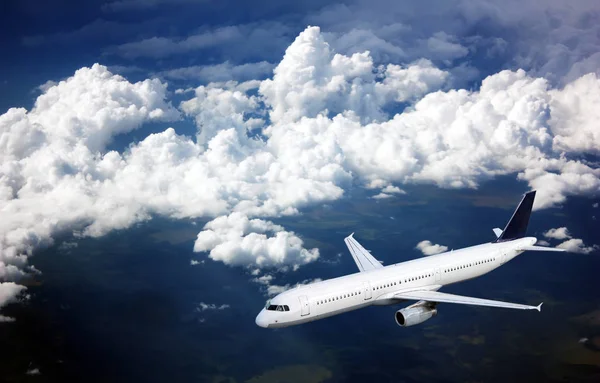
(517, 226)
(497, 231)
(541, 248)
(436, 296)
(363, 258)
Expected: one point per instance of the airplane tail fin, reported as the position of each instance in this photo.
(517, 226)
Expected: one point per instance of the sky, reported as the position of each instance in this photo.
(239, 114)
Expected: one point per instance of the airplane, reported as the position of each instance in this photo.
(416, 280)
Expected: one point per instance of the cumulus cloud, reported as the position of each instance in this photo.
(393, 190)
(325, 121)
(311, 79)
(428, 248)
(576, 245)
(211, 306)
(559, 233)
(237, 240)
(51, 171)
(9, 291)
(387, 191)
(575, 116)
(451, 138)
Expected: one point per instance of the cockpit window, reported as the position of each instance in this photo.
(271, 307)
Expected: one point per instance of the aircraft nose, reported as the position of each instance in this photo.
(261, 319)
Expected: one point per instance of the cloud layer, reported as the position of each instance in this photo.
(323, 122)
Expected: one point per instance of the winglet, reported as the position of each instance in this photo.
(539, 307)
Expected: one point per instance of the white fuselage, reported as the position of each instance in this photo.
(378, 287)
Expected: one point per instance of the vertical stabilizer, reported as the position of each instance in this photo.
(517, 226)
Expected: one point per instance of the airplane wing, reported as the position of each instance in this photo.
(364, 260)
(436, 296)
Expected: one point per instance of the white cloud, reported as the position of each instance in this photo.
(194, 262)
(52, 175)
(211, 306)
(576, 245)
(237, 240)
(312, 79)
(595, 205)
(382, 196)
(221, 72)
(393, 190)
(559, 233)
(575, 116)
(9, 291)
(428, 248)
(328, 126)
(541, 242)
(454, 139)
(218, 109)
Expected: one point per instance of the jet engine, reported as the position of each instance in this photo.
(414, 314)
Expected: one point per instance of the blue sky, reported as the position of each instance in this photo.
(240, 114)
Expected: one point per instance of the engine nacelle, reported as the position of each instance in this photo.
(413, 315)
